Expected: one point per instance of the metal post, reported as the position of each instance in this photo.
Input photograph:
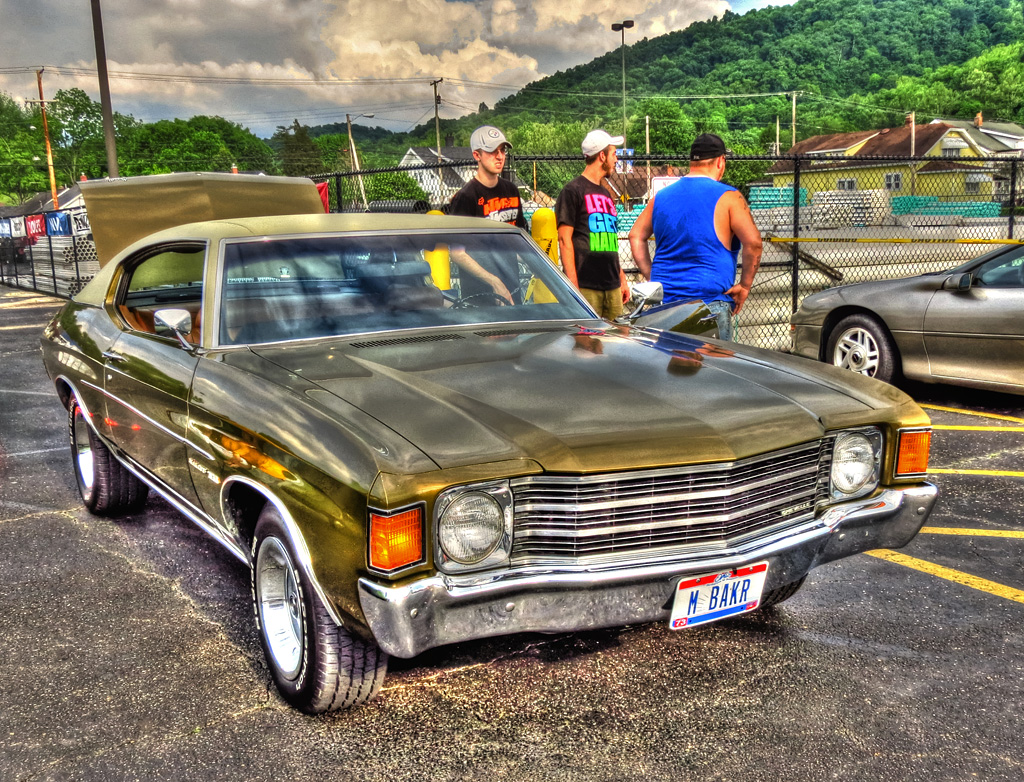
(355, 158)
(74, 254)
(622, 26)
(1013, 194)
(53, 265)
(796, 234)
(101, 69)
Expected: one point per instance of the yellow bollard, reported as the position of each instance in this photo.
(544, 229)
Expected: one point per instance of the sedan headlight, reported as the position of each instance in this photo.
(856, 463)
(474, 527)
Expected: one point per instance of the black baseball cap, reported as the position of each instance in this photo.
(707, 146)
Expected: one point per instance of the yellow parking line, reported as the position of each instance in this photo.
(980, 533)
(957, 577)
(978, 428)
(996, 473)
(971, 412)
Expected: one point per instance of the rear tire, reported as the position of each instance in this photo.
(862, 344)
(106, 486)
(317, 665)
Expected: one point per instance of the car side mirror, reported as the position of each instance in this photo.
(646, 293)
(178, 322)
(958, 282)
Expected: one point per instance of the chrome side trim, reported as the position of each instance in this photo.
(156, 424)
(206, 522)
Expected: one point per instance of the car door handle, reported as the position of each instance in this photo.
(114, 356)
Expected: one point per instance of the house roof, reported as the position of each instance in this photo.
(43, 202)
(450, 177)
(835, 142)
(983, 136)
(888, 142)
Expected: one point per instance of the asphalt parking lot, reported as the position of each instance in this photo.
(129, 649)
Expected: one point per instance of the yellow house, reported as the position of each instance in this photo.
(945, 177)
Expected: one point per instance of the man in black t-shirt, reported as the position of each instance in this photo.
(588, 238)
(487, 195)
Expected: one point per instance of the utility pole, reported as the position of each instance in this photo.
(46, 135)
(778, 141)
(101, 69)
(355, 158)
(647, 146)
(794, 119)
(437, 131)
(913, 144)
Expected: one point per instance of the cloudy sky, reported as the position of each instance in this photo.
(262, 63)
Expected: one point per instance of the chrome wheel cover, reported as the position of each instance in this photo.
(85, 464)
(857, 350)
(279, 598)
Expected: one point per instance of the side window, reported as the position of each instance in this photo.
(1006, 271)
(165, 278)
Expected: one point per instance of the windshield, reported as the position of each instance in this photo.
(304, 287)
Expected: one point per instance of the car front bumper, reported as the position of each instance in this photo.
(438, 610)
(805, 340)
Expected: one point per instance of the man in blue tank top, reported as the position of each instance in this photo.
(699, 225)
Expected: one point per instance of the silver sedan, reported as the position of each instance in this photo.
(964, 326)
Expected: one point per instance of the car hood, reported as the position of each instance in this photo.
(888, 296)
(580, 400)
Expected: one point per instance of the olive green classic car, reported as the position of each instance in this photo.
(408, 455)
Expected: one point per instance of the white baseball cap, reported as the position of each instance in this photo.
(599, 140)
(488, 138)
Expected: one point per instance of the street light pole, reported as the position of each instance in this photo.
(622, 26)
(355, 157)
(105, 108)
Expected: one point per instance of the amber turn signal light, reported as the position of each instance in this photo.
(914, 447)
(396, 539)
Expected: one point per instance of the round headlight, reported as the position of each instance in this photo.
(471, 528)
(853, 463)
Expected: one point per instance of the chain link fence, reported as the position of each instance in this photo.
(825, 221)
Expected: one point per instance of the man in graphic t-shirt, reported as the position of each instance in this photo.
(487, 195)
(588, 237)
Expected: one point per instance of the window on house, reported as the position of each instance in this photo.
(951, 152)
(972, 188)
(846, 184)
(894, 181)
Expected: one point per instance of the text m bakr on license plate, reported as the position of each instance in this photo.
(717, 595)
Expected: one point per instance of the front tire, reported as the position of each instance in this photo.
(317, 665)
(782, 593)
(863, 345)
(106, 486)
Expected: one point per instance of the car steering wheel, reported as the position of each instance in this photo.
(482, 299)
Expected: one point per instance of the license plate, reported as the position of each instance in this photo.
(717, 596)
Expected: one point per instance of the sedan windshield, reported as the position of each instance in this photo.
(304, 287)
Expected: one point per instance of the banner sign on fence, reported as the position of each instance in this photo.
(5, 228)
(58, 224)
(80, 223)
(18, 227)
(35, 226)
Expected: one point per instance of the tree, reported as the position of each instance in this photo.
(300, 156)
(22, 153)
(672, 132)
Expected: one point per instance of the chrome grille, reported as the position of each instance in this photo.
(612, 517)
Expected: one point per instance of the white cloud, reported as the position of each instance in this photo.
(505, 42)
